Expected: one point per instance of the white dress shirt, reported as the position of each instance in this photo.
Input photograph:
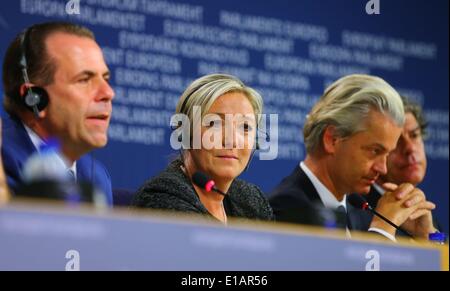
(327, 198)
(381, 191)
(37, 142)
(330, 201)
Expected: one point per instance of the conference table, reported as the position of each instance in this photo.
(37, 235)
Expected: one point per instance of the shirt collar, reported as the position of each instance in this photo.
(38, 142)
(328, 199)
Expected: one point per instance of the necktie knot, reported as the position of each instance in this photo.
(71, 175)
(341, 209)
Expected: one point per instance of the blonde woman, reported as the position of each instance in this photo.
(217, 96)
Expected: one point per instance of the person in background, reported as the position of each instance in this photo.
(407, 163)
(218, 96)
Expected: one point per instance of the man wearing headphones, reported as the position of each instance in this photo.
(56, 86)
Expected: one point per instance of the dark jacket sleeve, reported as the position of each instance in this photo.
(12, 169)
(250, 202)
(265, 210)
(162, 201)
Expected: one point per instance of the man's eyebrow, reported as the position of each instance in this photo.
(89, 73)
(86, 73)
(379, 145)
(415, 129)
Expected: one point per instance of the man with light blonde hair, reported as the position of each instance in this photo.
(348, 135)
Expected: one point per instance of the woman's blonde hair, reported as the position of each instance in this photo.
(205, 90)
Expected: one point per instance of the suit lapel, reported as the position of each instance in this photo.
(357, 219)
(16, 138)
(84, 172)
(304, 184)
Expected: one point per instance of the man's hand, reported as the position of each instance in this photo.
(393, 208)
(420, 222)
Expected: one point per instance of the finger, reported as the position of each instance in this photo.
(419, 213)
(389, 186)
(421, 209)
(427, 205)
(403, 190)
(416, 199)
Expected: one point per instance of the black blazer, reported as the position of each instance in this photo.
(172, 190)
(296, 193)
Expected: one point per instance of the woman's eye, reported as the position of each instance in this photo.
(247, 127)
(214, 123)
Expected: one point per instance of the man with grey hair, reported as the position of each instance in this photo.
(348, 135)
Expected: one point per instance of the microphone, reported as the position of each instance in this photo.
(45, 175)
(203, 181)
(360, 202)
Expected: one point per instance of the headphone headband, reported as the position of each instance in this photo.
(36, 98)
(23, 58)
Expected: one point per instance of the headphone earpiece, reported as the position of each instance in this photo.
(257, 147)
(35, 99)
(175, 127)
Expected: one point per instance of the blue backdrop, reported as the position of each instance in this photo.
(288, 50)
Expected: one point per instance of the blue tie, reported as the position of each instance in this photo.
(71, 176)
(73, 196)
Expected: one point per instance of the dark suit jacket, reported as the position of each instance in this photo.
(17, 147)
(172, 190)
(296, 192)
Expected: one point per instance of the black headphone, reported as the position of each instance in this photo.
(180, 135)
(35, 98)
